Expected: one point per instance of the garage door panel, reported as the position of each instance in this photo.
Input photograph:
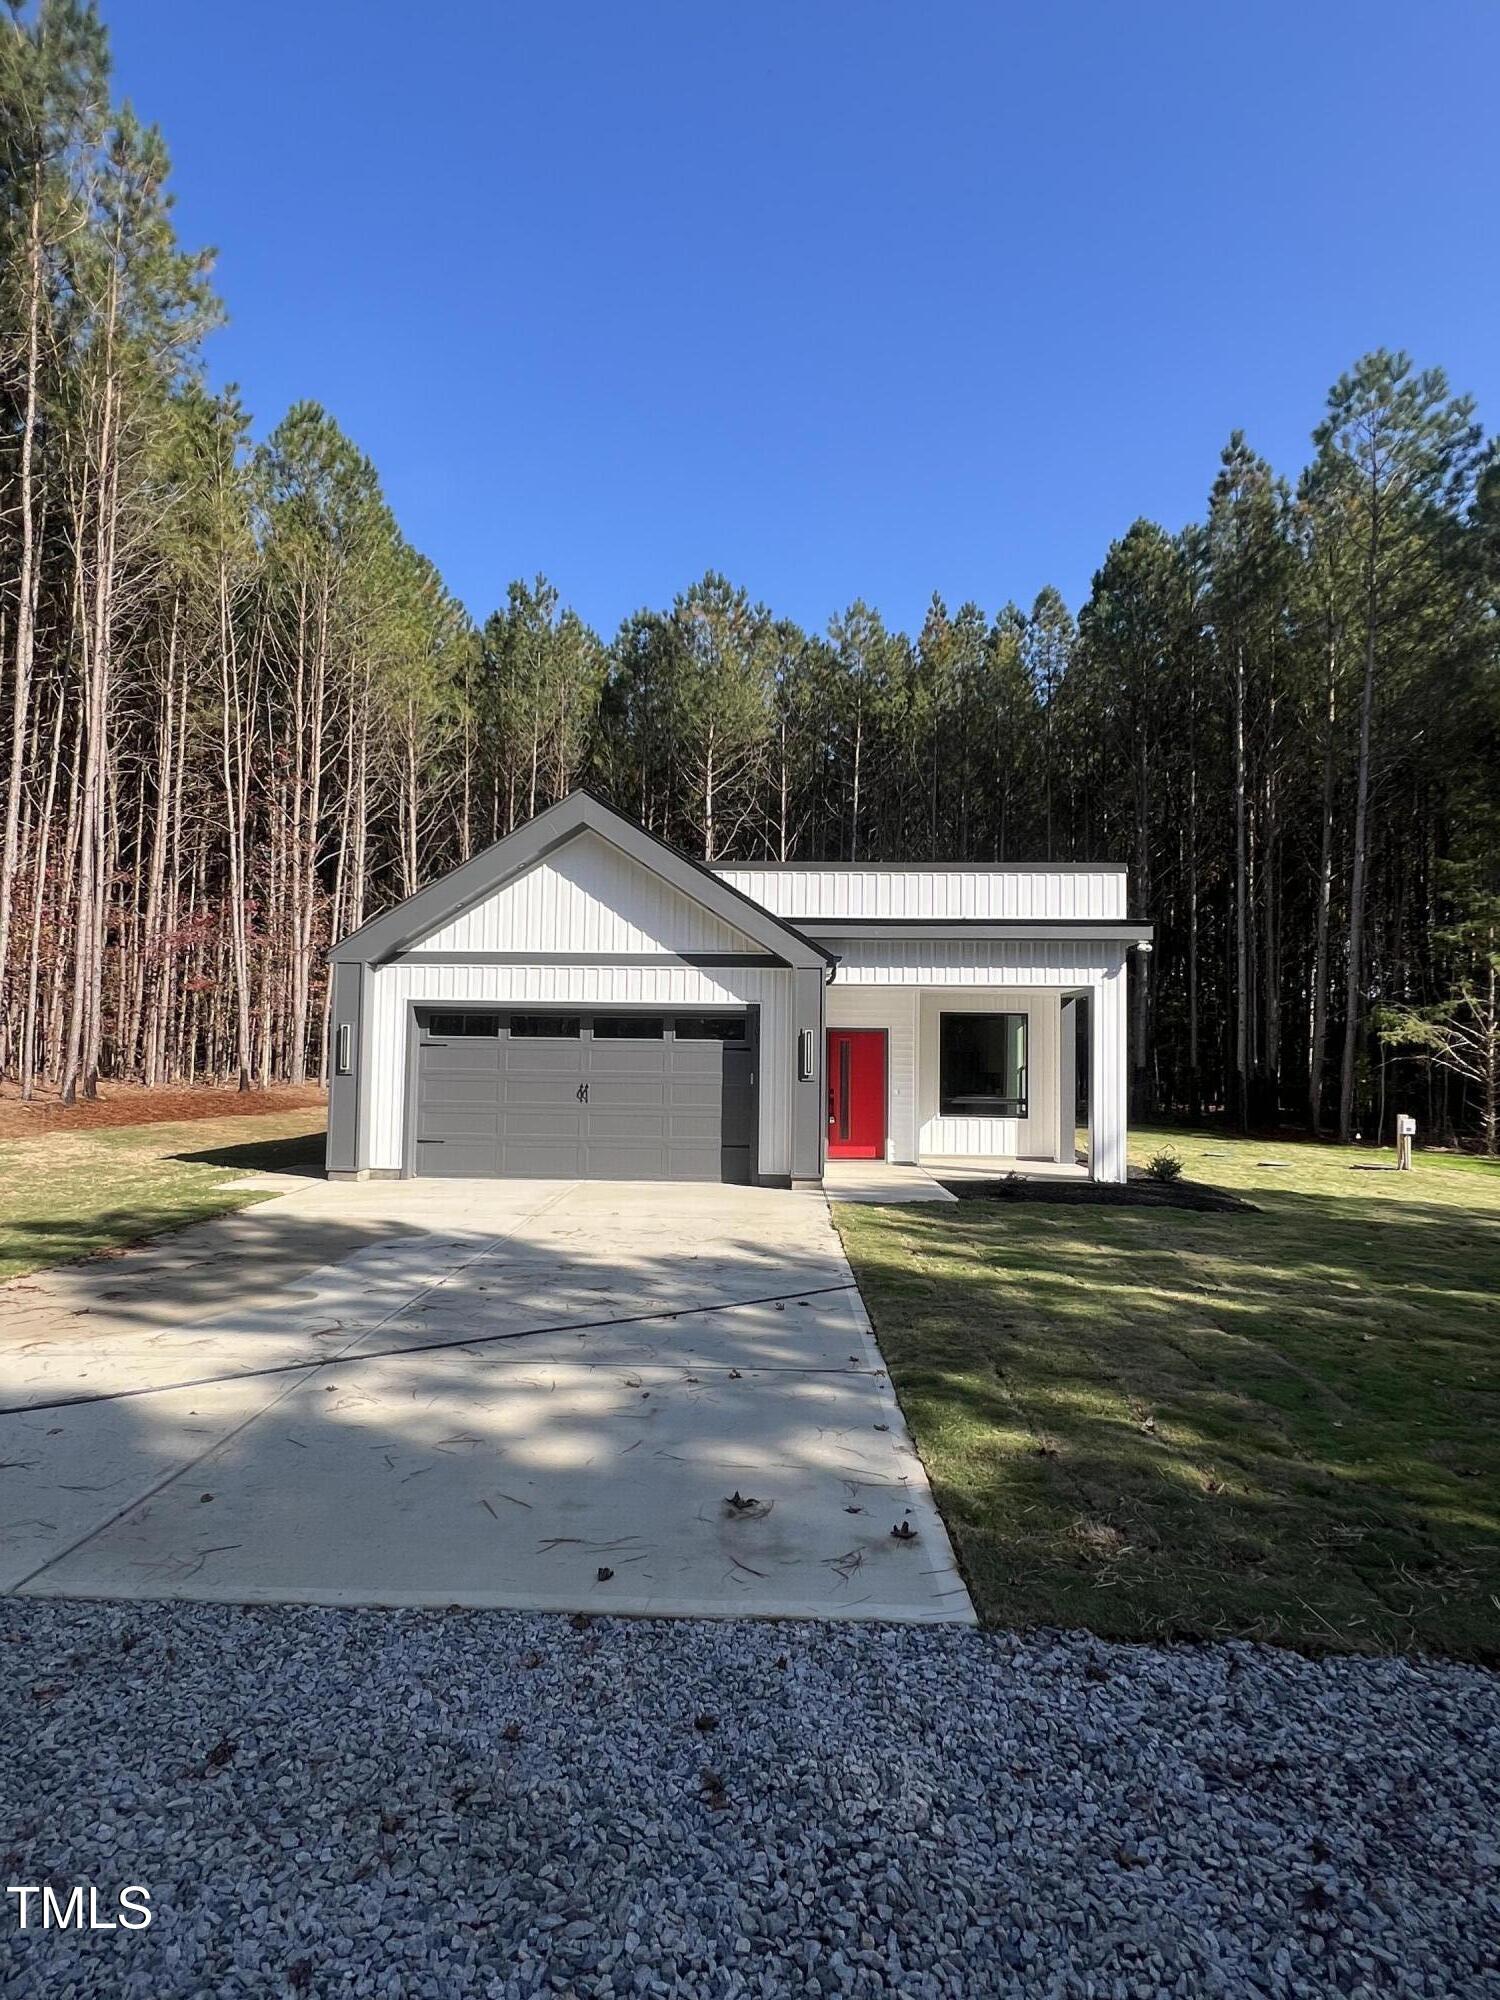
(522, 1122)
(541, 1056)
(625, 1122)
(694, 1128)
(437, 1123)
(538, 1159)
(455, 1159)
(687, 1091)
(473, 1056)
(624, 1058)
(467, 1087)
(693, 1163)
(443, 1091)
(507, 1105)
(626, 1161)
(645, 1094)
(557, 1095)
(703, 1057)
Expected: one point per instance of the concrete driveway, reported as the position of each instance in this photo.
(554, 1396)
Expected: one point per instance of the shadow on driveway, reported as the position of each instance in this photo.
(545, 1395)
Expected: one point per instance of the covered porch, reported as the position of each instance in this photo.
(974, 1079)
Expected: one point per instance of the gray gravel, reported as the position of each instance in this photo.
(415, 1804)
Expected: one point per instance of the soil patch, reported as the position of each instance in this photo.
(130, 1104)
(1102, 1194)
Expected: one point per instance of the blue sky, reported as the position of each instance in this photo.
(873, 299)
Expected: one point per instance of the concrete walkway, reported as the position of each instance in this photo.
(550, 1396)
(884, 1183)
(880, 1184)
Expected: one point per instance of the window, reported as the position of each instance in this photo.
(451, 1025)
(545, 1027)
(983, 1066)
(710, 1028)
(629, 1027)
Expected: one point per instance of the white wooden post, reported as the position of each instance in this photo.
(1109, 1070)
(1067, 1081)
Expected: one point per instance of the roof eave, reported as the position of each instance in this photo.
(1047, 929)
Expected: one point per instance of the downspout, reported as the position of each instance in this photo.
(833, 972)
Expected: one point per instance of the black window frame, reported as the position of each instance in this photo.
(711, 1027)
(628, 1027)
(551, 1028)
(456, 1025)
(957, 1102)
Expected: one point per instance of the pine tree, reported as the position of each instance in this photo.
(1397, 460)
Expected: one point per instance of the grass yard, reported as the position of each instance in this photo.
(1283, 1425)
(71, 1193)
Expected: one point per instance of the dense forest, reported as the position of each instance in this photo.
(239, 714)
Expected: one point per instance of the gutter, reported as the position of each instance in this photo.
(1113, 930)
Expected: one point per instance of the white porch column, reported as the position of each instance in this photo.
(1067, 1081)
(1109, 1071)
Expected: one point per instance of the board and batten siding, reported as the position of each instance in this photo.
(668, 986)
(1033, 1137)
(959, 961)
(974, 894)
(587, 897)
(893, 1009)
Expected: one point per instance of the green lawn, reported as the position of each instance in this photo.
(1283, 1425)
(70, 1194)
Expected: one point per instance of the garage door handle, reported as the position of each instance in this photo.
(583, 1093)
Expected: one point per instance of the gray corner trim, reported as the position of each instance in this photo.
(1043, 929)
(364, 1065)
(822, 1071)
(346, 1009)
(410, 1060)
(765, 959)
(807, 1120)
(386, 937)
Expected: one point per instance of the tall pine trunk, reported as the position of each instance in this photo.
(26, 591)
(1354, 970)
(1318, 1028)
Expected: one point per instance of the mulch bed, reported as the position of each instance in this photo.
(1099, 1194)
(129, 1104)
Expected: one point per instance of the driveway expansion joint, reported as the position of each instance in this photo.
(595, 1423)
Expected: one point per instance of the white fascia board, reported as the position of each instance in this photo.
(934, 930)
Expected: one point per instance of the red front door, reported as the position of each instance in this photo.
(856, 1093)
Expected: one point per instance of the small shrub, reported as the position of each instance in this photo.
(1164, 1166)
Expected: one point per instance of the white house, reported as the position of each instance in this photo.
(582, 1000)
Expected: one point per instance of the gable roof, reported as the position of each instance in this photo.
(386, 936)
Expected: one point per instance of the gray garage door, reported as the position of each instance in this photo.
(593, 1095)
